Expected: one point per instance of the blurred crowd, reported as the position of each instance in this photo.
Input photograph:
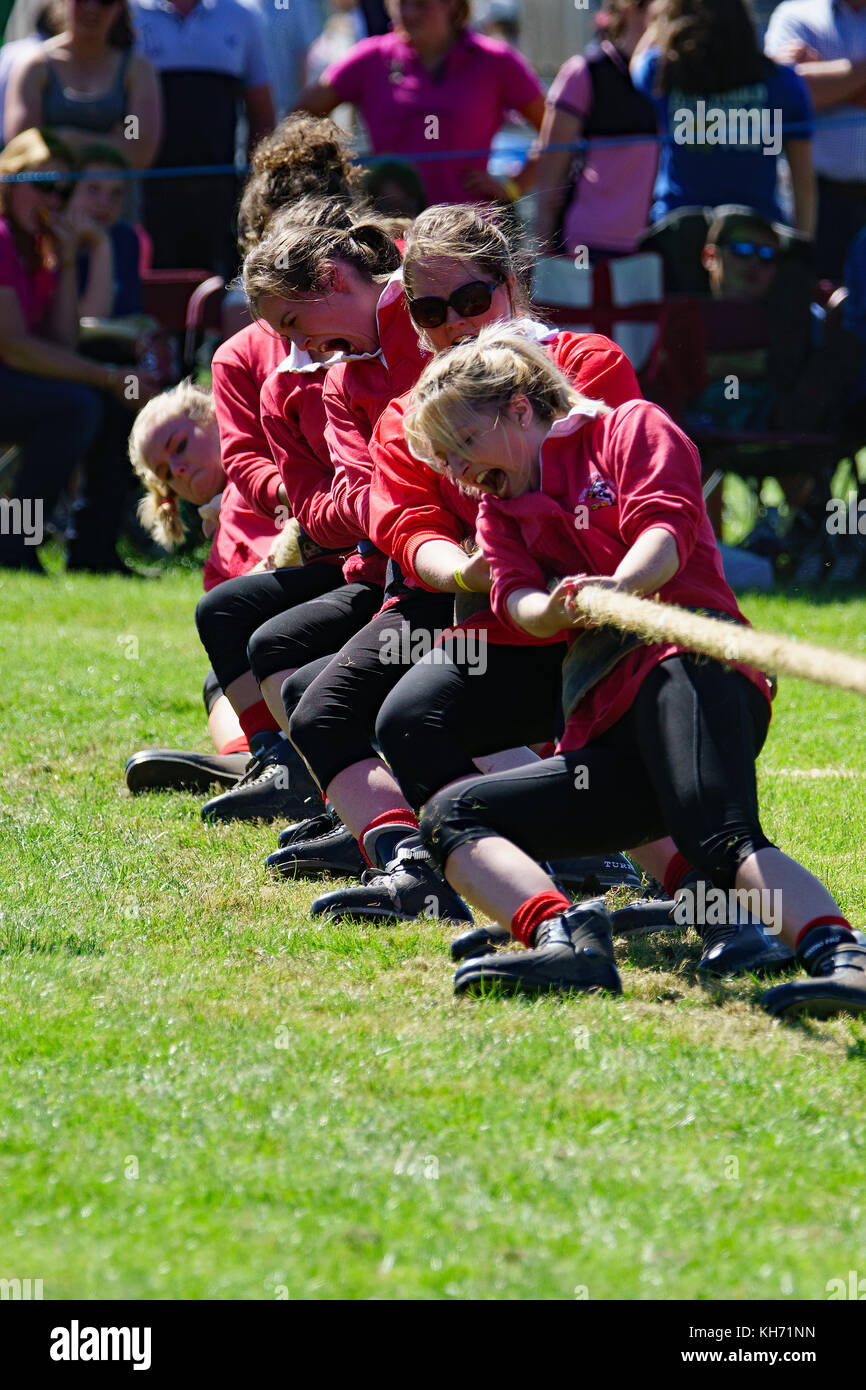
(676, 108)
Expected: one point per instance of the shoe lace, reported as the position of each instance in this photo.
(405, 854)
(262, 764)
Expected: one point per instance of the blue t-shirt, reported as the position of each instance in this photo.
(723, 147)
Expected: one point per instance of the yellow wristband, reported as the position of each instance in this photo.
(461, 582)
(513, 189)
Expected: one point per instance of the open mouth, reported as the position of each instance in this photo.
(336, 345)
(493, 480)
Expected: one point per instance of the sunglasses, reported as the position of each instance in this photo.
(469, 302)
(743, 249)
(106, 4)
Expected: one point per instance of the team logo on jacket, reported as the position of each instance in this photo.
(600, 493)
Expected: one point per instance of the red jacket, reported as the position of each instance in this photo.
(242, 538)
(357, 391)
(411, 504)
(604, 481)
(240, 367)
(293, 420)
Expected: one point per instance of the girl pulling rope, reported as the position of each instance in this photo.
(658, 739)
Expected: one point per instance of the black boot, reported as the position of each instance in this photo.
(572, 953)
(171, 769)
(335, 853)
(409, 887)
(309, 828)
(836, 962)
(276, 785)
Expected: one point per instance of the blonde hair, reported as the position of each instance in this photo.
(302, 240)
(158, 510)
(483, 376)
(467, 232)
(27, 153)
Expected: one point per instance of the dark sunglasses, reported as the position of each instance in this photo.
(469, 301)
(106, 4)
(744, 249)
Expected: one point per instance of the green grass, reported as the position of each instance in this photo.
(204, 1095)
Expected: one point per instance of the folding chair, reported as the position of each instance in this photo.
(621, 298)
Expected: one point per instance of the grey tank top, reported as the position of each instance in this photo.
(62, 107)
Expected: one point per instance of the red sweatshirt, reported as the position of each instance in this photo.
(357, 391)
(240, 367)
(293, 420)
(604, 481)
(242, 538)
(411, 504)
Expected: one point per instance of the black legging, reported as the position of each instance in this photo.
(681, 762)
(466, 698)
(313, 629)
(228, 616)
(333, 723)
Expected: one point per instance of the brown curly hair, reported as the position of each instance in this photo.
(304, 155)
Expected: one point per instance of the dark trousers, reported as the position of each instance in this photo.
(841, 215)
(61, 425)
(680, 762)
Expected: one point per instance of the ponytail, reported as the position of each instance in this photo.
(302, 240)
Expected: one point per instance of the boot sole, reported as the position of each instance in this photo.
(145, 774)
(799, 1000)
(385, 919)
(758, 965)
(312, 868)
(489, 982)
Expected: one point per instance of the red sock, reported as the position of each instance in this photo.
(675, 873)
(536, 910)
(257, 718)
(830, 920)
(235, 745)
(400, 818)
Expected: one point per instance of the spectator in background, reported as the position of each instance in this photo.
(64, 410)
(290, 30)
(827, 42)
(500, 19)
(343, 28)
(96, 206)
(395, 189)
(433, 86)
(88, 82)
(598, 198)
(14, 49)
(700, 57)
(210, 57)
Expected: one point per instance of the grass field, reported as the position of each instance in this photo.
(206, 1096)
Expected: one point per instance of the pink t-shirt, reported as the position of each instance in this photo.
(408, 111)
(609, 206)
(35, 291)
